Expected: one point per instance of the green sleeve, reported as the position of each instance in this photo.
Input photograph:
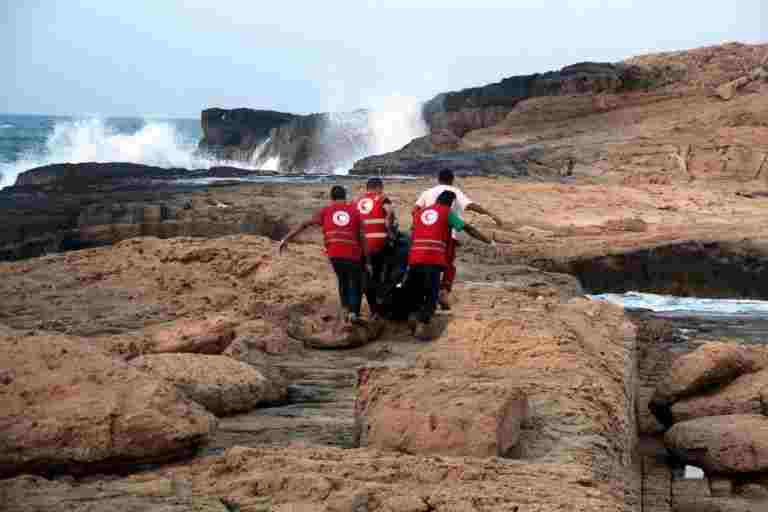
(456, 222)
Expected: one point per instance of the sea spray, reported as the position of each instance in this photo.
(151, 142)
(395, 121)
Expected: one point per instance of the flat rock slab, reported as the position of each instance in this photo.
(712, 364)
(736, 443)
(28, 493)
(741, 396)
(221, 384)
(67, 406)
(207, 336)
(423, 412)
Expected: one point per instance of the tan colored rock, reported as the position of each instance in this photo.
(754, 492)
(716, 505)
(208, 336)
(728, 90)
(741, 396)
(735, 443)
(711, 364)
(417, 411)
(221, 384)
(71, 407)
(720, 486)
(35, 494)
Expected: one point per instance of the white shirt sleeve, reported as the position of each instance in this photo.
(421, 202)
(462, 200)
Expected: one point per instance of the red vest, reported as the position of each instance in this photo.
(374, 217)
(341, 225)
(431, 233)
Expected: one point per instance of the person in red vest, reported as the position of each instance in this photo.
(345, 245)
(378, 219)
(429, 258)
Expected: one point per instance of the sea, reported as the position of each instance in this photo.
(28, 141)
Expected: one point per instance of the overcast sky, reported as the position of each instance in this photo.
(175, 57)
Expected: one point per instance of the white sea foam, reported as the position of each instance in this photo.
(394, 121)
(156, 143)
(5, 126)
(689, 306)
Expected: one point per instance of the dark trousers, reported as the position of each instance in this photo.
(380, 269)
(424, 282)
(350, 276)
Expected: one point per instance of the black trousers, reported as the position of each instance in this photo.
(380, 269)
(424, 284)
(350, 277)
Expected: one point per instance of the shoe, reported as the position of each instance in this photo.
(422, 332)
(354, 319)
(445, 300)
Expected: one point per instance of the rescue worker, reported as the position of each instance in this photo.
(378, 219)
(445, 183)
(346, 247)
(428, 257)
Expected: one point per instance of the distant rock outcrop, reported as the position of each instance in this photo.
(235, 134)
(317, 143)
(481, 107)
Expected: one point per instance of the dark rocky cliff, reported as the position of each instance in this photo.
(235, 134)
(289, 143)
(481, 107)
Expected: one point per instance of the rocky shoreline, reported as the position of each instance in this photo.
(523, 349)
(182, 364)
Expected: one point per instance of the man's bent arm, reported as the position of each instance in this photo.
(291, 235)
(474, 207)
(475, 233)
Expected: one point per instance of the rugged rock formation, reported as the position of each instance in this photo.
(440, 413)
(71, 207)
(714, 364)
(30, 493)
(482, 107)
(68, 407)
(736, 443)
(221, 384)
(318, 143)
(208, 336)
(236, 134)
(652, 118)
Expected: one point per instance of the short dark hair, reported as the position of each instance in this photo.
(446, 198)
(445, 177)
(374, 184)
(338, 193)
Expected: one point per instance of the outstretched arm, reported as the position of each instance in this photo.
(474, 207)
(291, 235)
(476, 233)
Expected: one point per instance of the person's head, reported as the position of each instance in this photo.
(446, 198)
(374, 185)
(445, 177)
(338, 193)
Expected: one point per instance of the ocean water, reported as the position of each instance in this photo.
(28, 141)
(671, 306)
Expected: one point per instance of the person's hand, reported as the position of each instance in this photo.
(283, 244)
(498, 221)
